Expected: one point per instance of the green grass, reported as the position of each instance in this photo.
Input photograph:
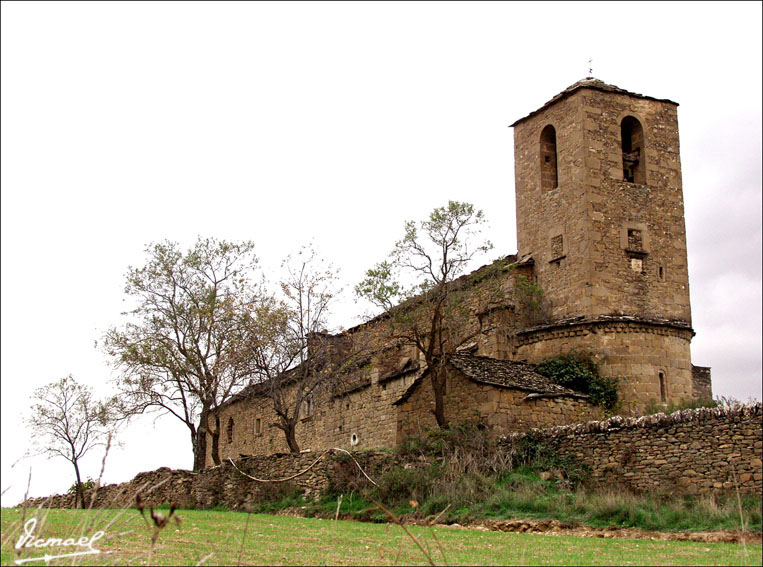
(215, 537)
(523, 495)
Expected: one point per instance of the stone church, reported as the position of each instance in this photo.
(600, 229)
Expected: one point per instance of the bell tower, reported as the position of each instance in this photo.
(600, 212)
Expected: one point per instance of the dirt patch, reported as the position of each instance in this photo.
(554, 527)
(557, 528)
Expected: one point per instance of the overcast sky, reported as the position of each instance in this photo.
(126, 123)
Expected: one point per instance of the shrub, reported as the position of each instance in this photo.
(530, 454)
(86, 485)
(579, 372)
(439, 442)
(401, 485)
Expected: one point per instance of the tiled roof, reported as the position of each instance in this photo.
(507, 374)
(500, 373)
(590, 83)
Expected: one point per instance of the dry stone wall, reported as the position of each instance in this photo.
(687, 452)
(690, 451)
(224, 485)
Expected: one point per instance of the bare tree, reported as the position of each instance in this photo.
(295, 357)
(184, 350)
(415, 288)
(68, 419)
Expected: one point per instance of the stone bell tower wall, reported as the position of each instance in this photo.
(653, 360)
(603, 244)
(600, 211)
(546, 213)
(637, 235)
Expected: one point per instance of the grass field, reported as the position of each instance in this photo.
(216, 537)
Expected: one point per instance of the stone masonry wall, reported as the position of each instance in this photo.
(579, 232)
(701, 382)
(544, 215)
(334, 421)
(690, 451)
(660, 287)
(224, 485)
(364, 417)
(503, 410)
(635, 351)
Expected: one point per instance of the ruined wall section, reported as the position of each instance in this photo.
(701, 382)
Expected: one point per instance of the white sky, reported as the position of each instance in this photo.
(125, 123)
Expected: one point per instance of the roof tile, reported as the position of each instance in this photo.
(507, 374)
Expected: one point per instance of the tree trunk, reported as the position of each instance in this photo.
(216, 440)
(78, 496)
(438, 387)
(290, 430)
(199, 442)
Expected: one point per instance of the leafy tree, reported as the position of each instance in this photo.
(415, 288)
(294, 355)
(68, 422)
(184, 349)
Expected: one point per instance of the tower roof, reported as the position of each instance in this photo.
(589, 83)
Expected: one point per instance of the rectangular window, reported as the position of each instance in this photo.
(258, 426)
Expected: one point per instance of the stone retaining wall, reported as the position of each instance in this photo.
(224, 485)
(690, 451)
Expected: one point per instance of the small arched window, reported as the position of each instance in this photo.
(663, 388)
(229, 430)
(632, 136)
(548, 174)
